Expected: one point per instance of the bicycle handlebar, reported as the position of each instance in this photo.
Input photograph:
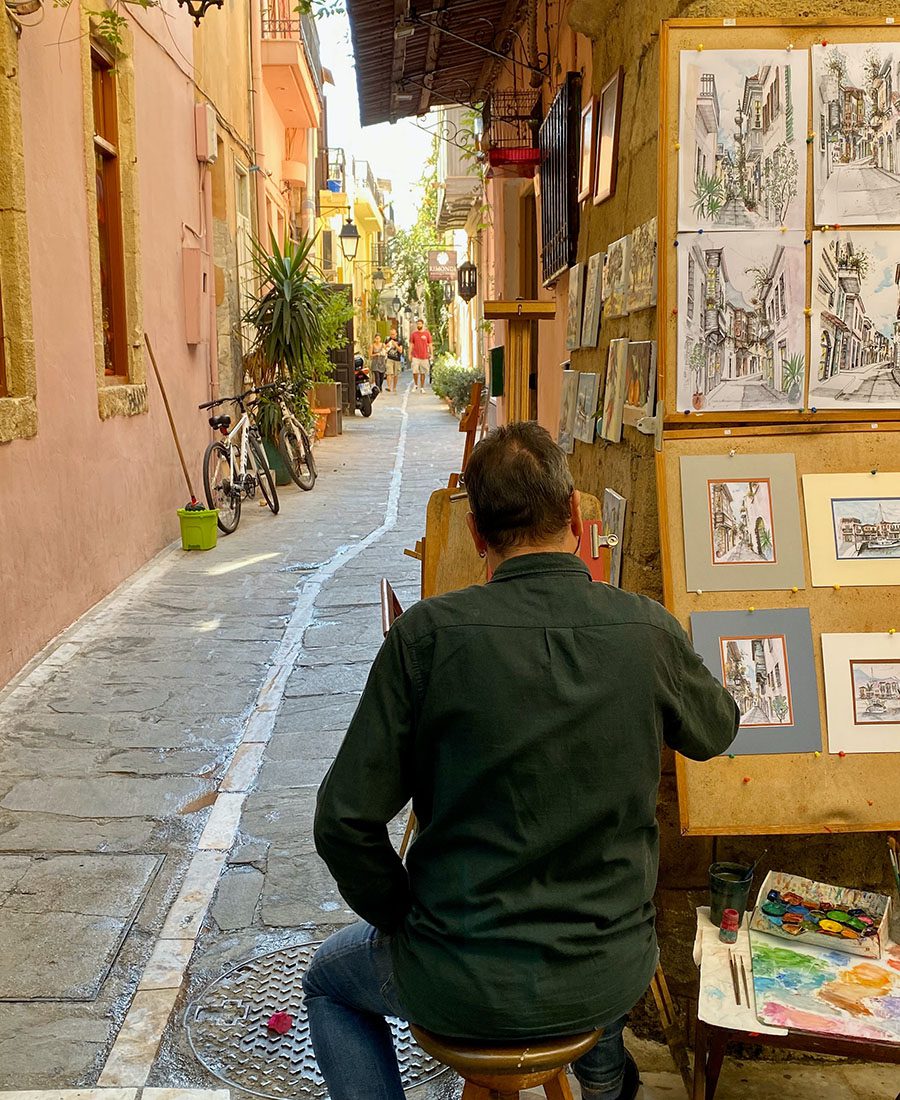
(239, 398)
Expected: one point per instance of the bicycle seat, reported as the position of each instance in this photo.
(223, 422)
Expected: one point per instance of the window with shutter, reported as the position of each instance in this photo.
(559, 140)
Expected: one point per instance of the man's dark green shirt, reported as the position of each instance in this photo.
(525, 719)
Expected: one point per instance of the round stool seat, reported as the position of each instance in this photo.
(469, 1057)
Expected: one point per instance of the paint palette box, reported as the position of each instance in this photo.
(837, 918)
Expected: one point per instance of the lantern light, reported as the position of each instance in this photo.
(378, 280)
(467, 281)
(349, 238)
(199, 8)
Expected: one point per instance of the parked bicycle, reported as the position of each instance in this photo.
(235, 466)
(292, 440)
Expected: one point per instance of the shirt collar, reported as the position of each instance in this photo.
(531, 564)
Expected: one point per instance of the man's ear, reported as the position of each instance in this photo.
(480, 544)
(575, 521)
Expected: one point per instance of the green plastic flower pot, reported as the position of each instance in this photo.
(277, 464)
(198, 529)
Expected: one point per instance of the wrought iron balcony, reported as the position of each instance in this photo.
(280, 22)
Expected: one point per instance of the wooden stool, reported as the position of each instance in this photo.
(501, 1071)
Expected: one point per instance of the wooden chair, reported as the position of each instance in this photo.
(501, 1072)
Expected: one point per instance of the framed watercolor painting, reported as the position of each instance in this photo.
(609, 117)
(614, 393)
(862, 691)
(590, 327)
(741, 523)
(586, 165)
(575, 306)
(586, 406)
(642, 270)
(853, 527)
(764, 659)
(640, 381)
(568, 406)
(614, 505)
(616, 264)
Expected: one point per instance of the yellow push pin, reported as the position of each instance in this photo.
(795, 590)
(700, 47)
(892, 631)
(790, 46)
(784, 229)
(817, 755)
(677, 145)
(751, 609)
(808, 311)
(837, 588)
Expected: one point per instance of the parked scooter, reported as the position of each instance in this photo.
(366, 390)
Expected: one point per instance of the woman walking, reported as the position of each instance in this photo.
(378, 358)
(392, 363)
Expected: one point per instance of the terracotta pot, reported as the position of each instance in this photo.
(697, 400)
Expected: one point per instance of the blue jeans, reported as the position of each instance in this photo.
(349, 989)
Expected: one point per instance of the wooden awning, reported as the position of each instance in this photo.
(408, 60)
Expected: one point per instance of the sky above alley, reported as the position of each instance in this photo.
(394, 152)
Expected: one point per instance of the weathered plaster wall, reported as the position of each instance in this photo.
(627, 35)
(86, 502)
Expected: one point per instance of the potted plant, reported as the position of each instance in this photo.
(285, 313)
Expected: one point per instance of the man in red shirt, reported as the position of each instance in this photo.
(420, 343)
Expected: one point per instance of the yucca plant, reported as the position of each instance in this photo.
(285, 314)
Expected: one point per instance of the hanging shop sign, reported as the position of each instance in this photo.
(442, 265)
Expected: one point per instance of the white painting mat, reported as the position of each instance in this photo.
(845, 733)
(819, 490)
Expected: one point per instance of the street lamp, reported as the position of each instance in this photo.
(196, 8)
(378, 281)
(396, 304)
(467, 281)
(349, 238)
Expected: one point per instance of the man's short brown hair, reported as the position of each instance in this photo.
(519, 487)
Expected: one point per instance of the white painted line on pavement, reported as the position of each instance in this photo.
(134, 1050)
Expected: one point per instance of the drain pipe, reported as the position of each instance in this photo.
(256, 85)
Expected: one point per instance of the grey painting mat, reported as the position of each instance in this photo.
(700, 572)
(805, 735)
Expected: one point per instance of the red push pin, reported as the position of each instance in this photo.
(746, 778)
(842, 754)
(824, 42)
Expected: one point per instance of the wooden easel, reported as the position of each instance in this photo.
(391, 609)
(520, 316)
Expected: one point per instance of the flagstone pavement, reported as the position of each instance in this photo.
(158, 767)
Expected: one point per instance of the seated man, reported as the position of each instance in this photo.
(525, 719)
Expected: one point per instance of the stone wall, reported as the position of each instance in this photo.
(627, 35)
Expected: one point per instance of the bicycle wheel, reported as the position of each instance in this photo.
(297, 452)
(266, 481)
(220, 493)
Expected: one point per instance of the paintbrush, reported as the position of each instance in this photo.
(895, 861)
(732, 966)
(744, 977)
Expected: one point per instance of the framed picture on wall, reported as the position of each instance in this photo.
(586, 165)
(609, 115)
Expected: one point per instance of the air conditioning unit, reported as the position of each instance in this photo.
(205, 135)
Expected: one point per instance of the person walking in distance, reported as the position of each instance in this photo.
(377, 358)
(392, 362)
(420, 344)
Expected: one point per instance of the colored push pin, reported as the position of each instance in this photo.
(837, 587)
(825, 228)
(687, 412)
(746, 778)
(817, 755)
(807, 240)
(810, 137)
(813, 409)
(842, 754)
(837, 225)
(808, 311)
(675, 242)
(751, 609)
(674, 312)
(731, 756)
(824, 43)
(699, 47)
(795, 590)
(699, 231)
(893, 630)
(700, 593)
(784, 229)
(790, 46)
(732, 453)
(677, 146)
(875, 471)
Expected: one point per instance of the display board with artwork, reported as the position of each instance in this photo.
(768, 535)
(779, 221)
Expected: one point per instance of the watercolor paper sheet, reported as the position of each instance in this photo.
(616, 266)
(826, 992)
(741, 321)
(590, 329)
(614, 391)
(586, 406)
(742, 136)
(640, 381)
(568, 407)
(856, 119)
(642, 269)
(576, 298)
(855, 334)
(853, 528)
(741, 523)
(614, 524)
(764, 659)
(862, 691)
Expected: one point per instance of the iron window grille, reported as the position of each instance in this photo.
(558, 138)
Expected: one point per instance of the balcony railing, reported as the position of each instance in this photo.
(280, 21)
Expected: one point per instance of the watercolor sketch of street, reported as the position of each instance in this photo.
(866, 528)
(876, 691)
(826, 991)
(741, 322)
(855, 336)
(742, 139)
(856, 120)
(755, 674)
(740, 515)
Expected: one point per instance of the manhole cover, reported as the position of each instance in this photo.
(226, 1027)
